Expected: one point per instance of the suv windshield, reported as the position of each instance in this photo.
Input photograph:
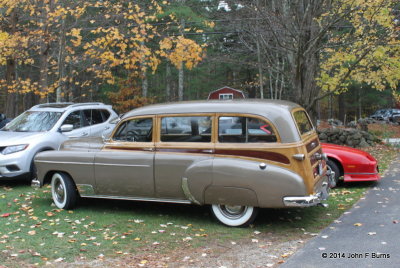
(33, 121)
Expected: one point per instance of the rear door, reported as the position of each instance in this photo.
(98, 121)
(185, 141)
(81, 126)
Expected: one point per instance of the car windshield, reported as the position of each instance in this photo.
(33, 121)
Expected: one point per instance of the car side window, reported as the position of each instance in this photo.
(75, 119)
(135, 130)
(105, 114)
(186, 129)
(244, 130)
(97, 117)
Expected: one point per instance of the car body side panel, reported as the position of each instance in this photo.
(172, 164)
(127, 173)
(270, 185)
(78, 165)
(199, 176)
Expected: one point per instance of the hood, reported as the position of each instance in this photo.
(339, 148)
(14, 138)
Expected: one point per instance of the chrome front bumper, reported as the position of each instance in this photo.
(315, 199)
(35, 184)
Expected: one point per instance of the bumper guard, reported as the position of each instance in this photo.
(35, 184)
(315, 199)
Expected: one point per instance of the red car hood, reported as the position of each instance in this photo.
(338, 148)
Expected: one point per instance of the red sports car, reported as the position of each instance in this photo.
(352, 164)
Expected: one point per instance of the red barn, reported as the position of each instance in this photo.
(226, 93)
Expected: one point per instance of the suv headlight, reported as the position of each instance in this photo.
(14, 148)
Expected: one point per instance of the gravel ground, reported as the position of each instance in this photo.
(261, 252)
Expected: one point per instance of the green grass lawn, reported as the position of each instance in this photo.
(35, 232)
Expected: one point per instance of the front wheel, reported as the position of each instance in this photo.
(234, 216)
(334, 167)
(63, 191)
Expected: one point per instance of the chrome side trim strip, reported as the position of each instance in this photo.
(119, 165)
(85, 189)
(186, 191)
(97, 164)
(139, 199)
(59, 162)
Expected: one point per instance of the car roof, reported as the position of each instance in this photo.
(254, 106)
(276, 111)
(63, 106)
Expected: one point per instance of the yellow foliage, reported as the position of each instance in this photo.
(180, 50)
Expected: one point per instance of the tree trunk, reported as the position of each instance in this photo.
(61, 63)
(180, 70)
(11, 109)
(44, 54)
(168, 82)
(180, 83)
(11, 104)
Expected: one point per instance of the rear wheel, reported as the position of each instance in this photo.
(234, 216)
(335, 168)
(63, 191)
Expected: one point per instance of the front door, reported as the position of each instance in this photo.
(124, 167)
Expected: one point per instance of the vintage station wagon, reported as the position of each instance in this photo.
(236, 156)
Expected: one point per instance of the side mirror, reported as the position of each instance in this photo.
(66, 128)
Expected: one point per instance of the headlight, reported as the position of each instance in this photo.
(14, 148)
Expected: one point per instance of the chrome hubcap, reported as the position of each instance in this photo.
(233, 212)
(59, 191)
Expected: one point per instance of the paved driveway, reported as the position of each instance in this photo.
(368, 235)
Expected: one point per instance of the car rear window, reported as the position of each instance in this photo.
(244, 130)
(303, 122)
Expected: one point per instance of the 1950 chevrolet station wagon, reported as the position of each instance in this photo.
(236, 156)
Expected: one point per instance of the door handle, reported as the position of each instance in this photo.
(106, 128)
(84, 134)
(148, 149)
(209, 151)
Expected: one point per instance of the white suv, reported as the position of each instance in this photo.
(44, 127)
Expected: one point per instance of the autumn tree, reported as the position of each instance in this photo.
(313, 48)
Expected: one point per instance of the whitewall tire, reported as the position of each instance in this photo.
(63, 191)
(234, 216)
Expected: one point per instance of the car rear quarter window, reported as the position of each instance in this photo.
(303, 122)
(244, 130)
(186, 129)
(97, 117)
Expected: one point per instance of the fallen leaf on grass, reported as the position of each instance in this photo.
(5, 215)
(33, 232)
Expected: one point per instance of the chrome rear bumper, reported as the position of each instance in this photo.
(315, 199)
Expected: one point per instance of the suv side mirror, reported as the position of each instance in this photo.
(66, 128)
